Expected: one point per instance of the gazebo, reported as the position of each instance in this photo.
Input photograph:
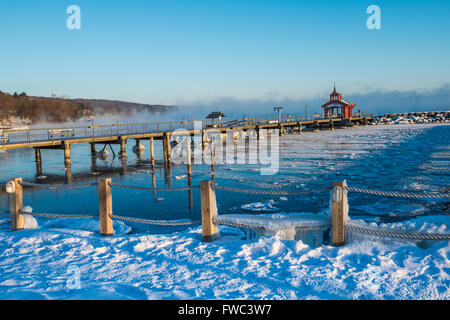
(216, 115)
(336, 107)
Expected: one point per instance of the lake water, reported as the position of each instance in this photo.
(392, 158)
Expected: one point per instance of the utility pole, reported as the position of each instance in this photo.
(279, 112)
(306, 112)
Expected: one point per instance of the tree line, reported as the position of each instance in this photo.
(59, 109)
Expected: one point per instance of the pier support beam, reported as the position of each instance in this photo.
(37, 153)
(191, 199)
(204, 144)
(67, 147)
(280, 130)
(93, 150)
(331, 124)
(138, 144)
(123, 148)
(152, 151)
(93, 157)
(316, 126)
(167, 149)
(299, 126)
(189, 157)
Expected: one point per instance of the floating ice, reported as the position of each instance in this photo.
(261, 207)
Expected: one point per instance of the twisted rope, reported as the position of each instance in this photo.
(402, 234)
(58, 216)
(399, 194)
(55, 186)
(120, 185)
(154, 222)
(237, 225)
(255, 227)
(268, 192)
(312, 228)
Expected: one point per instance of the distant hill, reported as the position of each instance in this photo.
(29, 109)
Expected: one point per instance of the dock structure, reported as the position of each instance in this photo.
(40, 138)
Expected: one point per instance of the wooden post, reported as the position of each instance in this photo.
(208, 211)
(152, 151)
(138, 144)
(299, 127)
(37, 152)
(204, 139)
(339, 200)
(16, 204)
(316, 126)
(93, 150)
(189, 157)
(154, 182)
(67, 147)
(280, 130)
(166, 145)
(191, 201)
(123, 148)
(105, 206)
(213, 153)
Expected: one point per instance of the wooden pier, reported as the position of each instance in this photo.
(63, 139)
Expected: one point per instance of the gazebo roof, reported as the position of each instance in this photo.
(215, 115)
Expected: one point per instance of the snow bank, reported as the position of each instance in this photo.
(36, 264)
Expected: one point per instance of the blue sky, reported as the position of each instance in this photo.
(200, 52)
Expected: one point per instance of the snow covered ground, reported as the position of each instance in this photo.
(42, 263)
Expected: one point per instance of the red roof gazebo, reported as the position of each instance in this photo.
(336, 107)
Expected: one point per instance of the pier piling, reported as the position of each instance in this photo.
(152, 151)
(208, 211)
(16, 204)
(338, 203)
(105, 207)
(123, 148)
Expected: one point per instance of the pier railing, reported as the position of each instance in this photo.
(339, 224)
(58, 133)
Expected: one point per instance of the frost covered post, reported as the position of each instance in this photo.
(105, 205)
(208, 210)
(339, 207)
(15, 192)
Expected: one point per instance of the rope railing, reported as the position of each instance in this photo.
(237, 225)
(399, 194)
(397, 233)
(55, 186)
(338, 203)
(124, 186)
(220, 221)
(268, 192)
(155, 222)
(59, 216)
